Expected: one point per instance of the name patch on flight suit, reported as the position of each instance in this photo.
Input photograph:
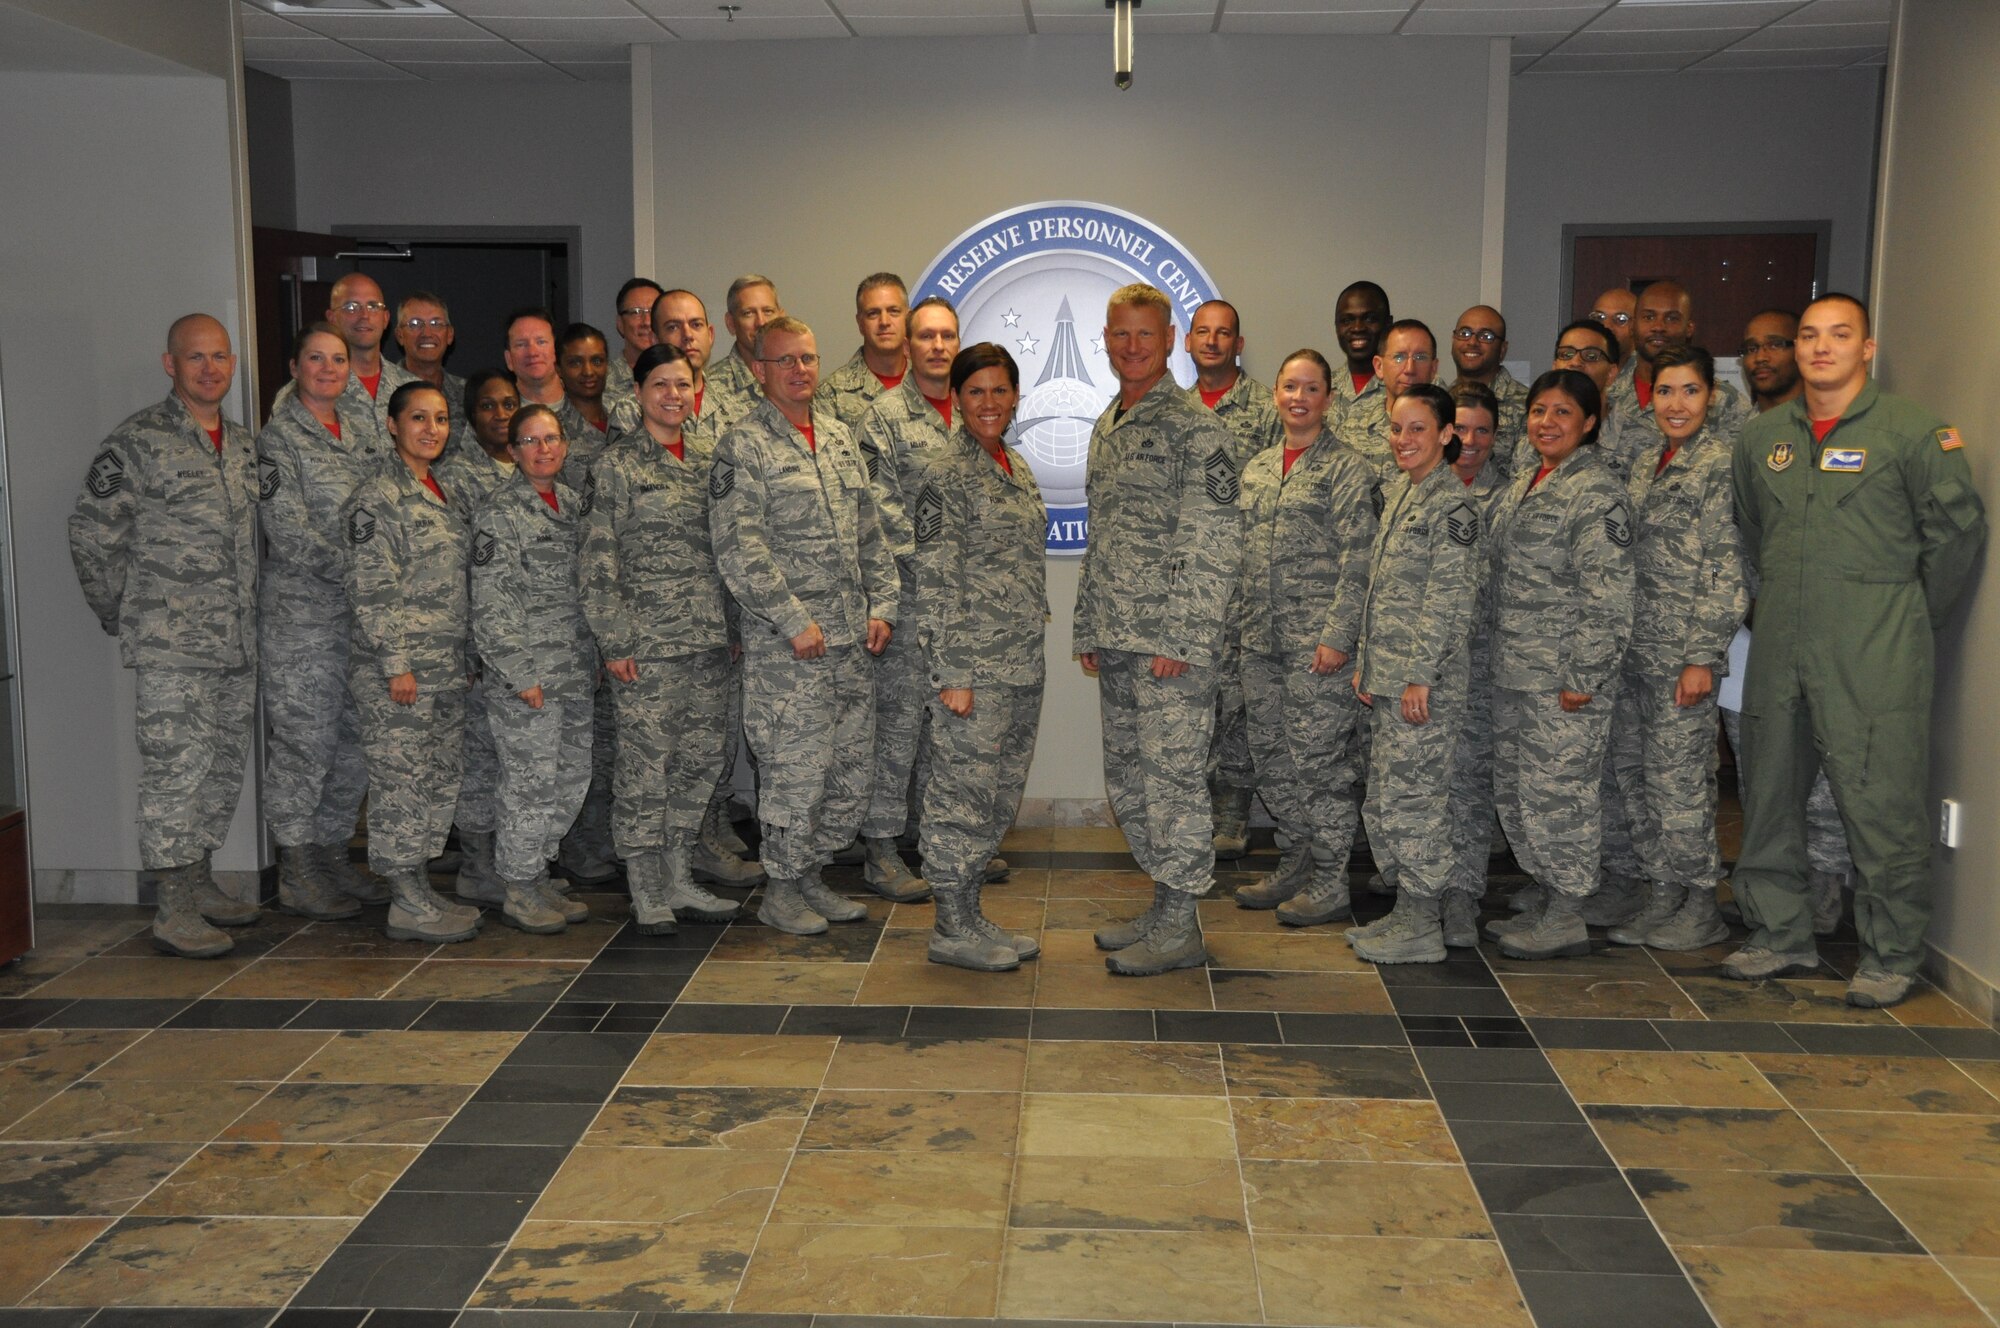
(1850, 459)
(1781, 457)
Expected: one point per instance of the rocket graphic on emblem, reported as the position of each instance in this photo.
(1065, 356)
(1054, 423)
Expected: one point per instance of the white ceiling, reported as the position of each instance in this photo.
(561, 40)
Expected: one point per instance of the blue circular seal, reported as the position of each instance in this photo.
(1035, 279)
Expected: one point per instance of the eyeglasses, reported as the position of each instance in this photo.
(1411, 357)
(356, 306)
(1483, 334)
(1772, 344)
(636, 311)
(1588, 354)
(1599, 316)
(789, 362)
(419, 324)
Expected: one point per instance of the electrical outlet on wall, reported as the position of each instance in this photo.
(1947, 831)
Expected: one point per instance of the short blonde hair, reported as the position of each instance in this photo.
(784, 323)
(1143, 295)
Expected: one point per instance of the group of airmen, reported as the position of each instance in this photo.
(547, 604)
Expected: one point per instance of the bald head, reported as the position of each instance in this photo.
(357, 308)
(1479, 343)
(201, 364)
(1665, 318)
(189, 325)
(1614, 309)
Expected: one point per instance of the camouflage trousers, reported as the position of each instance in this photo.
(416, 754)
(811, 724)
(1410, 774)
(979, 767)
(477, 786)
(670, 745)
(1156, 737)
(1826, 837)
(1230, 762)
(902, 684)
(314, 771)
(1618, 846)
(194, 737)
(591, 836)
(1471, 809)
(544, 765)
(1301, 737)
(732, 741)
(1547, 767)
(1664, 756)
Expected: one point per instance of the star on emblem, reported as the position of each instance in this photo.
(1027, 343)
(1011, 319)
(1097, 344)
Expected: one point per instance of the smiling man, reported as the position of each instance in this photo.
(423, 329)
(1664, 317)
(880, 303)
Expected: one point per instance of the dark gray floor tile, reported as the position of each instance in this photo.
(595, 1050)
(1591, 1300)
(595, 986)
(723, 1019)
(556, 1023)
(413, 1319)
(135, 1316)
(419, 1217)
(644, 962)
(26, 1013)
(1342, 1030)
(1451, 973)
(1081, 861)
(551, 1083)
(1508, 1041)
(1859, 1040)
(91, 1012)
(1504, 1102)
(1432, 1023)
(558, 1124)
(483, 1169)
(405, 1276)
(966, 1021)
(1597, 1034)
(1963, 1044)
(585, 1318)
(1563, 1191)
(320, 1319)
(847, 1020)
(1725, 1035)
(699, 1319)
(360, 1015)
(1247, 1026)
(1451, 1000)
(1093, 1025)
(1487, 1066)
(1457, 1037)
(1529, 1143)
(482, 1016)
(1506, 1023)
(238, 1014)
(1583, 1244)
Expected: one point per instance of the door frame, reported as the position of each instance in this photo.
(570, 237)
(1572, 232)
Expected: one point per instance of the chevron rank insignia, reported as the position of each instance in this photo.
(1618, 525)
(721, 479)
(360, 526)
(929, 521)
(106, 476)
(871, 452)
(1462, 524)
(483, 545)
(267, 478)
(1219, 474)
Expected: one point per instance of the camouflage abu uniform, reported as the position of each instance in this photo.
(1561, 620)
(850, 390)
(653, 594)
(900, 438)
(799, 542)
(315, 773)
(619, 389)
(729, 392)
(164, 541)
(406, 576)
(1362, 422)
(370, 413)
(1472, 812)
(1165, 549)
(980, 533)
(1423, 591)
(529, 629)
(471, 475)
(1247, 410)
(1307, 537)
(1636, 432)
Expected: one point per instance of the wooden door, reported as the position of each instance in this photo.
(287, 299)
(1730, 277)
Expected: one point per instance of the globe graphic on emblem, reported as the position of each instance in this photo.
(1053, 427)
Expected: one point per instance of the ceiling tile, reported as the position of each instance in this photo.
(330, 69)
(631, 28)
(1315, 7)
(1844, 11)
(951, 25)
(600, 73)
(1564, 62)
(1344, 24)
(754, 29)
(535, 72)
(580, 52)
(1153, 9)
(346, 26)
(258, 23)
(1819, 36)
(751, 11)
(1728, 14)
(489, 51)
(1429, 22)
(1822, 58)
(484, 9)
(1158, 24)
(1521, 63)
(1441, 6)
(854, 9)
(311, 48)
(1699, 40)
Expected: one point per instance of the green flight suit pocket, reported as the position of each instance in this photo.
(1957, 504)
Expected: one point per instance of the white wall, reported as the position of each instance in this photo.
(1774, 145)
(857, 156)
(96, 262)
(473, 154)
(1938, 283)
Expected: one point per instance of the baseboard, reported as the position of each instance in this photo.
(1960, 983)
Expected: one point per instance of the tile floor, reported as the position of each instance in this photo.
(603, 1130)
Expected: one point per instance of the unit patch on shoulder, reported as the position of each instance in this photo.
(1949, 440)
(929, 520)
(267, 478)
(1849, 459)
(360, 526)
(1781, 456)
(106, 475)
(721, 479)
(1618, 525)
(1462, 524)
(1219, 473)
(483, 545)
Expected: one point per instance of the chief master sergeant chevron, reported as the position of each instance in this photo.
(1165, 541)
(1858, 509)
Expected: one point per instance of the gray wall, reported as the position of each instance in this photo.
(95, 264)
(1260, 155)
(1938, 285)
(267, 119)
(1776, 145)
(473, 155)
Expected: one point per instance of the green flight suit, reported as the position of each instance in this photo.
(1863, 542)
